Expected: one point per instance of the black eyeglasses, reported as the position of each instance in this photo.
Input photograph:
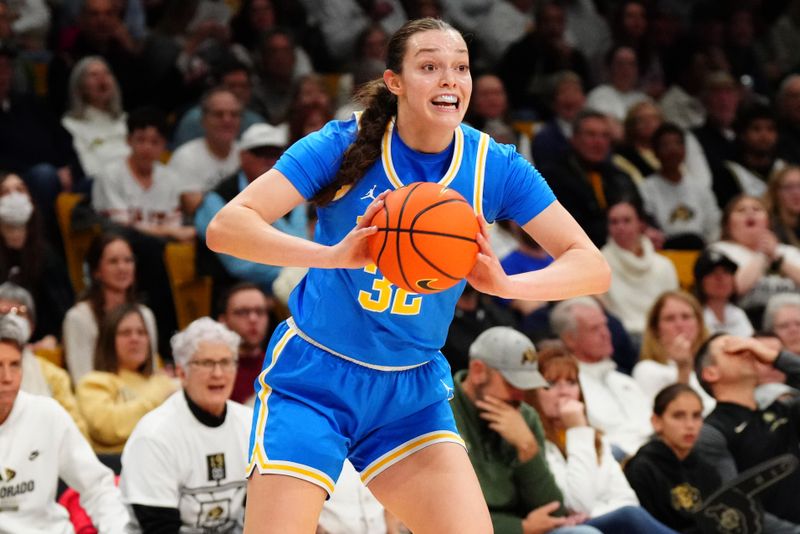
(225, 365)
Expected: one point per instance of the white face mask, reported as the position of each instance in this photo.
(15, 209)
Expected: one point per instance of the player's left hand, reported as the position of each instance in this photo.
(488, 275)
(507, 421)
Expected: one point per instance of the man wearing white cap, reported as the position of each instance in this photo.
(259, 148)
(504, 436)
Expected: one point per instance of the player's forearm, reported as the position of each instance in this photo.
(240, 232)
(577, 272)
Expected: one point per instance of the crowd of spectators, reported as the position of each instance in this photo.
(660, 125)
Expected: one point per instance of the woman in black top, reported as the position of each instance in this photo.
(670, 480)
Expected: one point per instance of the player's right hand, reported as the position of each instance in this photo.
(352, 252)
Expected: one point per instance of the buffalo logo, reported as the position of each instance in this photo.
(729, 520)
(529, 356)
(216, 466)
(7, 475)
(681, 213)
(685, 497)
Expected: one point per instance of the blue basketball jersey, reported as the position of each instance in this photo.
(359, 313)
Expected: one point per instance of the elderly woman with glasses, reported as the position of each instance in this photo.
(196, 442)
(123, 387)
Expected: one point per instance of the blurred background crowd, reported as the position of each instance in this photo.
(670, 129)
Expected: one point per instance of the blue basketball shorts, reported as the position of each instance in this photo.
(314, 408)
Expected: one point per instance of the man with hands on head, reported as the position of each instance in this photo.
(504, 436)
(738, 434)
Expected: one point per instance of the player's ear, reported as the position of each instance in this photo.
(393, 81)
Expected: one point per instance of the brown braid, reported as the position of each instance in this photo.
(380, 105)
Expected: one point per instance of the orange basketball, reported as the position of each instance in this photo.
(426, 237)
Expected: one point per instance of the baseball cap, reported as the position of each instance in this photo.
(709, 260)
(510, 352)
(262, 134)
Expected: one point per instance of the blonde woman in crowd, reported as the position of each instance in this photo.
(674, 331)
(95, 117)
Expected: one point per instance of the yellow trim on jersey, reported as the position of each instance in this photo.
(480, 174)
(259, 455)
(388, 165)
(300, 471)
(346, 189)
(406, 449)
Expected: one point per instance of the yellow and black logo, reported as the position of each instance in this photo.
(685, 497)
(529, 356)
(7, 475)
(216, 466)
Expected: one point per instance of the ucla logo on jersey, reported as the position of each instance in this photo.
(216, 466)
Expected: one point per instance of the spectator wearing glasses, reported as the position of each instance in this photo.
(184, 464)
(203, 163)
(123, 387)
(245, 310)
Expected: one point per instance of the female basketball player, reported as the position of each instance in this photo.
(357, 371)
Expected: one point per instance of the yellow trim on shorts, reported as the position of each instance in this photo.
(388, 166)
(259, 455)
(292, 469)
(480, 174)
(407, 449)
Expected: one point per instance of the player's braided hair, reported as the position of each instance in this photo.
(380, 105)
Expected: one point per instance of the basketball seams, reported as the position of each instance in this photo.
(385, 209)
(411, 232)
(435, 247)
(400, 225)
(429, 208)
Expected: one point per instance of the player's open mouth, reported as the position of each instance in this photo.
(446, 102)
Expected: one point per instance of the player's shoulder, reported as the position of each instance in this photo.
(336, 131)
(473, 135)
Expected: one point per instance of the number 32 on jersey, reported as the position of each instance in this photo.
(385, 296)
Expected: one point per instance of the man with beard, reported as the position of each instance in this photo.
(757, 138)
(504, 435)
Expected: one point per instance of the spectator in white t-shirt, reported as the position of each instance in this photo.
(203, 163)
(40, 443)
(139, 191)
(616, 97)
(685, 211)
(183, 467)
